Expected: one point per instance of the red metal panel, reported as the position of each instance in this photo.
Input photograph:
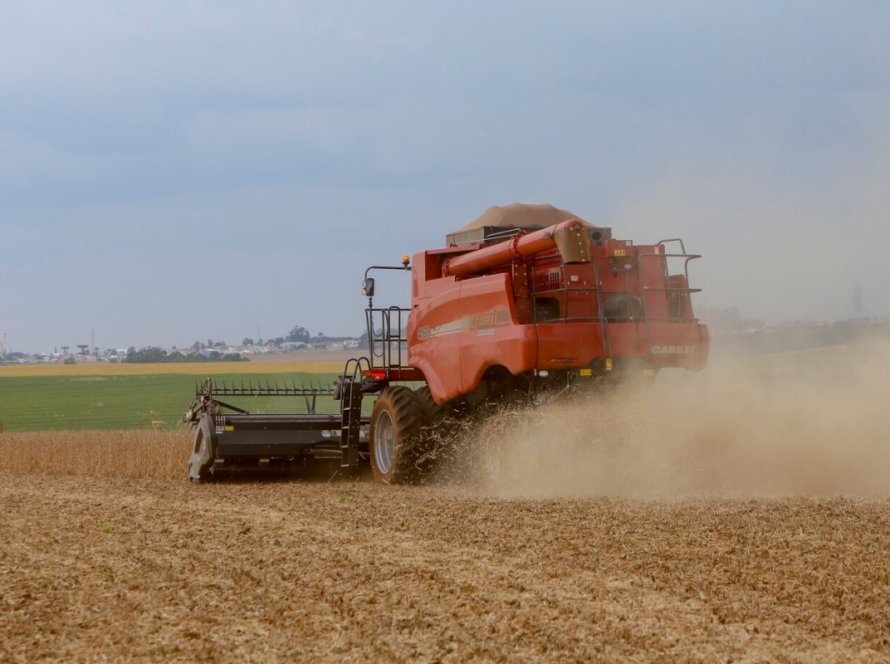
(626, 339)
(563, 345)
(653, 280)
(459, 327)
(678, 344)
(664, 343)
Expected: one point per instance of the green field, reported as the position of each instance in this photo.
(39, 403)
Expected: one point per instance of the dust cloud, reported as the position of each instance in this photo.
(813, 422)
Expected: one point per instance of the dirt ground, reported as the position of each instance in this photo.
(108, 569)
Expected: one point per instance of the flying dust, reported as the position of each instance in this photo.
(812, 422)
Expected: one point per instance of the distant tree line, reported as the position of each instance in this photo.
(153, 355)
(297, 334)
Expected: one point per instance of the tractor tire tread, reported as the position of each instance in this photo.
(408, 415)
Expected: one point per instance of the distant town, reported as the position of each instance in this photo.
(728, 331)
(298, 339)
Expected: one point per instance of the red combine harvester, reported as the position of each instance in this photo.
(525, 302)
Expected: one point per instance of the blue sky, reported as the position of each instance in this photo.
(173, 171)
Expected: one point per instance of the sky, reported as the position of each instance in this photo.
(179, 171)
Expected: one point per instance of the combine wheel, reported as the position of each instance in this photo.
(395, 435)
(440, 432)
(433, 412)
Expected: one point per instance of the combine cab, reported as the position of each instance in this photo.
(526, 302)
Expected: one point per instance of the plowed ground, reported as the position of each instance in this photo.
(96, 568)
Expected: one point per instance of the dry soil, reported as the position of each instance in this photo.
(103, 568)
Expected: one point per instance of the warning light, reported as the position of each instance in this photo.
(406, 260)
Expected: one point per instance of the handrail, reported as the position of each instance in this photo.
(386, 346)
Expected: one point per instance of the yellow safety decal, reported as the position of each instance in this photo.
(619, 252)
(229, 427)
(586, 372)
(608, 364)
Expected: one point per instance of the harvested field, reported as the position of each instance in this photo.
(100, 559)
(94, 568)
(740, 516)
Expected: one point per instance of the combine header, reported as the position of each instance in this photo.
(526, 302)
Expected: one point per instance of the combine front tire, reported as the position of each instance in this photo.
(433, 412)
(396, 435)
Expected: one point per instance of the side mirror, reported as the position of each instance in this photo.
(368, 287)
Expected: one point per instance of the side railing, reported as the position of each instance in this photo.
(387, 337)
(679, 307)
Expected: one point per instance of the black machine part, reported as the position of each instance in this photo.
(232, 435)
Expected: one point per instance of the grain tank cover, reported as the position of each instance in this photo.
(500, 222)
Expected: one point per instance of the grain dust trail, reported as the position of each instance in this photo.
(813, 422)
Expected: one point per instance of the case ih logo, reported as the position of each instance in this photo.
(673, 350)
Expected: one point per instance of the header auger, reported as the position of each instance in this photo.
(525, 302)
